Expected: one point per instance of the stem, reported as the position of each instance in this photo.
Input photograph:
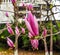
(16, 46)
(51, 41)
(45, 44)
(16, 23)
(40, 15)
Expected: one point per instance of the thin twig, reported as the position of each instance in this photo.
(6, 11)
(50, 35)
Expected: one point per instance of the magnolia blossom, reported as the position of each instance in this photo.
(10, 30)
(13, 1)
(32, 26)
(35, 43)
(23, 30)
(17, 31)
(23, 4)
(10, 42)
(6, 14)
(44, 33)
(30, 7)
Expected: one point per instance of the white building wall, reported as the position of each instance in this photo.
(7, 5)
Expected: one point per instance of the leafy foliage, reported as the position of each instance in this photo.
(25, 39)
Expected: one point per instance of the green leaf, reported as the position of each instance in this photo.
(2, 37)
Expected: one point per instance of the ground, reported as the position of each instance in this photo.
(23, 52)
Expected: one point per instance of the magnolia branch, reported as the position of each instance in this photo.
(50, 35)
(7, 11)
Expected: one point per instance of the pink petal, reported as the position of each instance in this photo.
(33, 22)
(7, 24)
(29, 27)
(23, 30)
(10, 43)
(6, 14)
(10, 30)
(23, 4)
(13, 1)
(30, 35)
(44, 33)
(34, 43)
(30, 7)
(36, 26)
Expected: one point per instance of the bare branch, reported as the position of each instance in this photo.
(50, 35)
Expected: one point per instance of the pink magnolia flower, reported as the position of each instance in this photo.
(10, 30)
(35, 43)
(32, 24)
(6, 14)
(30, 7)
(17, 31)
(23, 30)
(23, 4)
(7, 24)
(13, 1)
(44, 33)
(10, 42)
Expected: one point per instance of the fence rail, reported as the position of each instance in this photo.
(19, 0)
(28, 1)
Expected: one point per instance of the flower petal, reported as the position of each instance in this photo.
(44, 33)
(10, 30)
(10, 43)
(13, 1)
(29, 27)
(23, 30)
(34, 43)
(33, 22)
(23, 4)
(30, 7)
(30, 35)
(6, 14)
